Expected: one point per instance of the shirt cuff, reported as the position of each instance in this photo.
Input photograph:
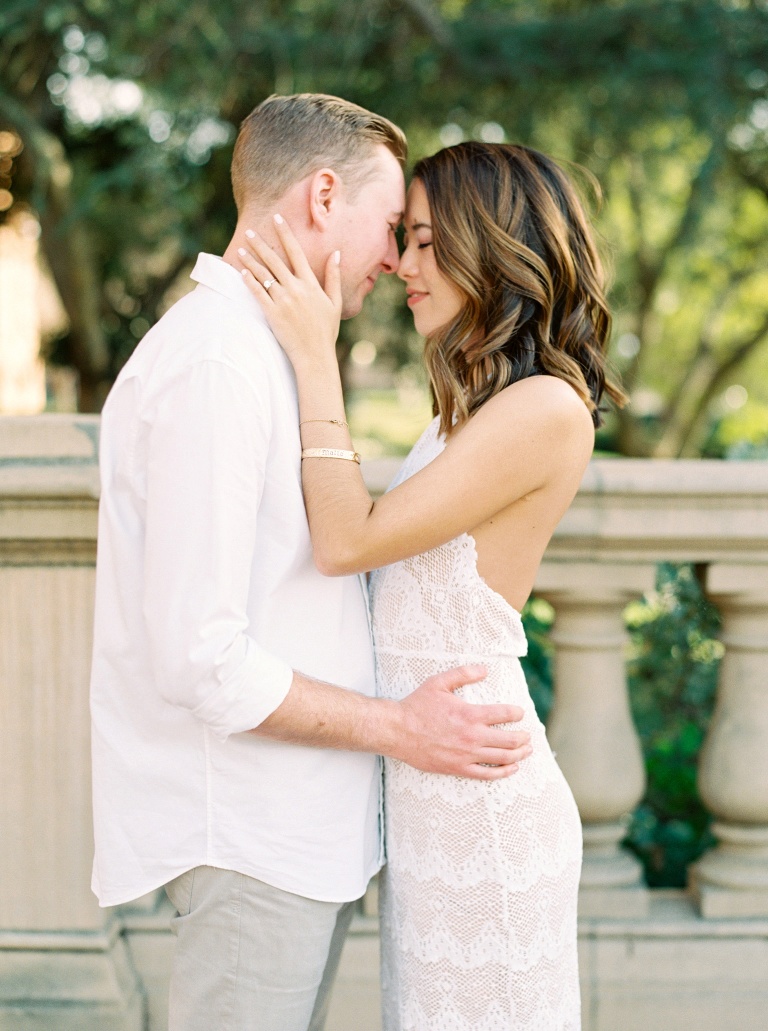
(246, 699)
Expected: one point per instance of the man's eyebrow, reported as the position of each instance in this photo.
(397, 216)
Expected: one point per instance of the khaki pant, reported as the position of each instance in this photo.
(250, 957)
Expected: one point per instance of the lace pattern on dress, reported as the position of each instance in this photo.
(479, 894)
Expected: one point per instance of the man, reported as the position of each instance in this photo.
(235, 732)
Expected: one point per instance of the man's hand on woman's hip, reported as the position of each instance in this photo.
(445, 734)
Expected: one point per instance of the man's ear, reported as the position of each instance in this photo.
(325, 192)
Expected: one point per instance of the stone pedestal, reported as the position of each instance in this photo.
(590, 727)
(63, 961)
(69, 981)
(732, 879)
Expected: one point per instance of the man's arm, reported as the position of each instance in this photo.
(206, 468)
(431, 729)
(205, 475)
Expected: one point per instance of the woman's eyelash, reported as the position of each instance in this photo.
(421, 246)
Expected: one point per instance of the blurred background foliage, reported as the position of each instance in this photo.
(127, 109)
(124, 112)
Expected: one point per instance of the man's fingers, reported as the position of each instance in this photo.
(458, 677)
(504, 756)
(477, 771)
(494, 715)
(461, 738)
(508, 740)
(293, 249)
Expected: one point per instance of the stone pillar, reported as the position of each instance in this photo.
(732, 879)
(63, 961)
(590, 727)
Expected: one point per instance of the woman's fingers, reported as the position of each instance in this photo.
(304, 318)
(256, 275)
(273, 267)
(293, 249)
(332, 284)
(256, 287)
(267, 256)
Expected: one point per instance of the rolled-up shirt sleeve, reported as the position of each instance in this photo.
(207, 451)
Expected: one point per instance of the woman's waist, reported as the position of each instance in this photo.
(398, 674)
(454, 655)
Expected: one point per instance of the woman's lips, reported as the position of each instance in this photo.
(414, 298)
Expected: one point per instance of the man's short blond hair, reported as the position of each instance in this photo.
(285, 139)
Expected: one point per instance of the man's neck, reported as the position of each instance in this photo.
(261, 224)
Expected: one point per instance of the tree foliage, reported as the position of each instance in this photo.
(673, 678)
(126, 109)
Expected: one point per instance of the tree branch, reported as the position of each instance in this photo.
(709, 376)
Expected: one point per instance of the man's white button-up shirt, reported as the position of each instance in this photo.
(207, 598)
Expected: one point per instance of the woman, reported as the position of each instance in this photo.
(504, 281)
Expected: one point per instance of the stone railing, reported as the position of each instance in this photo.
(664, 959)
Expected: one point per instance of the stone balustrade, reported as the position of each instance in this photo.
(627, 516)
(669, 960)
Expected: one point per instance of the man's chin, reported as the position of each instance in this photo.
(353, 305)
(350, 308)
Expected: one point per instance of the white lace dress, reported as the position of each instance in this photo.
(479, 892)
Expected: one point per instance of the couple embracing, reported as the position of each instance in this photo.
(246, 677)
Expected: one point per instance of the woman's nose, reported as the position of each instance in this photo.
(405, 268)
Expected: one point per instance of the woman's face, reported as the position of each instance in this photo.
(433, 299)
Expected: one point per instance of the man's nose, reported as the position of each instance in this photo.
(392, 258)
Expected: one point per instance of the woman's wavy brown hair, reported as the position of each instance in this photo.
(510, 231)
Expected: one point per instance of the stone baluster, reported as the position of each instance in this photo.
(590, 726)
(63, 961)
(731, 880)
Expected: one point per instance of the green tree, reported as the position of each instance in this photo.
(126, 109)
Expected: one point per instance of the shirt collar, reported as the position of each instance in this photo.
(218, 275)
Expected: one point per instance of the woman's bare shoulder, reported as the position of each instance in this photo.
(540, 401)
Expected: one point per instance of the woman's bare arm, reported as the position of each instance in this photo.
(514, 446)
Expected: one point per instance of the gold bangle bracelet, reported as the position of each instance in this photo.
(330, 452)
(334, 422)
